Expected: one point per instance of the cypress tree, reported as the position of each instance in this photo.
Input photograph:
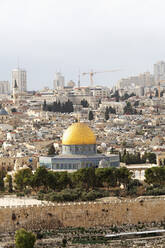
(90, 117)
(107, 114)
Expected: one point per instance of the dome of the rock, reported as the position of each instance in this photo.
(79, 134)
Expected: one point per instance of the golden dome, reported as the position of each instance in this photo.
(78, 134)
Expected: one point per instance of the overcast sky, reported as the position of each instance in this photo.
(68, 35)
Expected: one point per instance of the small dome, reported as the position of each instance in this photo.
(3, 111)
(78, 134)
(71, 83)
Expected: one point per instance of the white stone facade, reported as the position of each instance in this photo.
(59, 81)
(4, 87)
(159, 71)
(21, 78)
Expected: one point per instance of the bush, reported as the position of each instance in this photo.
(133, 187)
(64, 242)
(39, 235)
(93, 195)
(19, 194)
(24, 239)
(27, 191)
(155, 191)
(42, 191)
(73, 195)
(64, 195)
(40, 196)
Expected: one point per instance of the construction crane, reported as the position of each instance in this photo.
(91, 74)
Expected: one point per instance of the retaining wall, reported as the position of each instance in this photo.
(82, 214)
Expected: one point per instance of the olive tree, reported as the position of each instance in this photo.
(24, 239)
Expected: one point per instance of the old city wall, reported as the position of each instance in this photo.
(89, 214)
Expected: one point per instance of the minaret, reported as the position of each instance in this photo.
(15, 93)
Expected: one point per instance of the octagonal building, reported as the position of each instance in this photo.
(79, 150)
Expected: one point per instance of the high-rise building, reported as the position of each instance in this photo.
(159, 71)
(59, 81)
(4, 87)
(20, 76)
(143, 79)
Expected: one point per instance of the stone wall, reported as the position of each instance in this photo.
(9, 162)
(89, 214)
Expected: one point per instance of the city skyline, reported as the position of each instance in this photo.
(49, 36)
(87, 82)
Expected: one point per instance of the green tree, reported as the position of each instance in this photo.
(51, 150)
(2, 175)
(112, 110)
(111, 179)
(69, 107)
(129, 110)
(24, 239)
(64, 242)
(52, 180)
(13, 110)
(150, 156)
(133, 158)
(106, 114)
(125, 97)
(66, 107)
(84, 103)
(23, 178)
(120, 157)
(90, 116)
(116, 95)
(124, 144)
(63, 180)
(124, 176)
(106, 177)
(84, 178)
(133, 186)
(40, 178)
(156, 93)
(44, 106)
(155, 176)
(100, 176)
(10, 183)
(136, 104)
(54, 106)
(126, 159)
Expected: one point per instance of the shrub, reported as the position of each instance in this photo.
(19, 194)
(72, 195)
(39, 235)
(27, 191)
(155, 191)
(24, 239)
(40, 196)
